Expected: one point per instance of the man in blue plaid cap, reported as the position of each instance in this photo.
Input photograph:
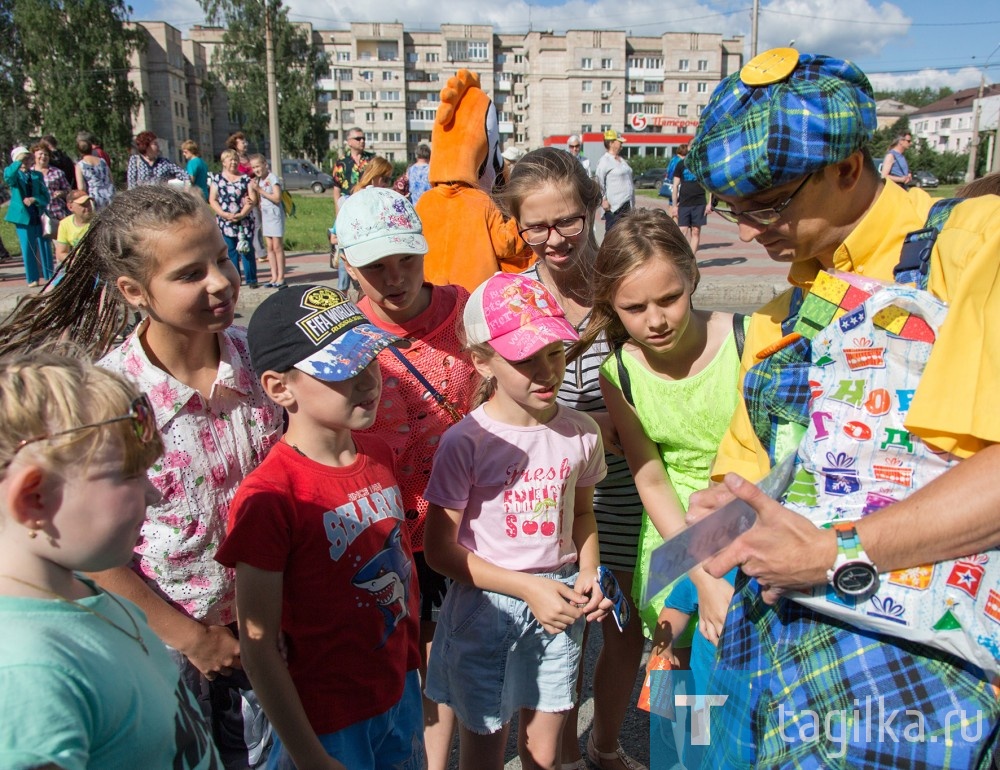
(783, 145)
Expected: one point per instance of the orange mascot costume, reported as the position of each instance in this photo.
(468, 237)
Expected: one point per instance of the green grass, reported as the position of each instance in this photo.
(306, 231)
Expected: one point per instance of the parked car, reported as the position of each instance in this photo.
(924, 179)
(650, 179)
(300, 174)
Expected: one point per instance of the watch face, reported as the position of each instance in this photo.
(855, 578)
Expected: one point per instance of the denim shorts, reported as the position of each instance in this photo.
(392, 740)
(491, 657)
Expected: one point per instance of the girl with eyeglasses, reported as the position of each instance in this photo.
(554, 201)
(76, 442)
(158, 251)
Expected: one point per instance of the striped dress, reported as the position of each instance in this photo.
(617, 506)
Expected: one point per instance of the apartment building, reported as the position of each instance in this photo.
(947, 123)
(387, 81)
(172, 74)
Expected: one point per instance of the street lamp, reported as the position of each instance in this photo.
(974, 149)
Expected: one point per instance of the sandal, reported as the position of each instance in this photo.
(611, 760)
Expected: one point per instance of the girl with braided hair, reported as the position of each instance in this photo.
(158, 251)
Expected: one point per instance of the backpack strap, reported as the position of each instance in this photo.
(739, 333)
(914, 266)
(623, 378)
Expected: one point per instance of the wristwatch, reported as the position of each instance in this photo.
(853, 573)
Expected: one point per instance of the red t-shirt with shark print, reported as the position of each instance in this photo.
(350, 610)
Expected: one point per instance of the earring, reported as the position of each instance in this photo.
(32, 533)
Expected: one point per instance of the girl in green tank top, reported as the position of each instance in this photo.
(670, 386)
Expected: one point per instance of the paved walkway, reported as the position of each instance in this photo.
(734, 274)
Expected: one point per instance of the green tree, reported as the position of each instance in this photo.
(19, 119)
(299, 64)
(916, 97)
(75, 61)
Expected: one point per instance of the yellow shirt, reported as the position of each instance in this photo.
(954, 407)
(70, 232)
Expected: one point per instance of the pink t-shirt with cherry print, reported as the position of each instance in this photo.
(517, 486)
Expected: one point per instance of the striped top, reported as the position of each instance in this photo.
(617, 506)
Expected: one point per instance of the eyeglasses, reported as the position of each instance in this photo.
(140, 413)
(356, 138)
(762, 217)
(536, 235)
(575, 146)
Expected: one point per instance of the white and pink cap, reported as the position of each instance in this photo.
(516, 316)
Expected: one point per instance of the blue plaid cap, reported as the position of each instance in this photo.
(783, 116)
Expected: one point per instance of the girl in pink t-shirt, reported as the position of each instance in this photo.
(511, 520)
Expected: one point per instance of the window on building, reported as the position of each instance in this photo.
(387, 116)
(343, 55)
(519, 58)
(392, 136)
(344, 75)
(366, 96)
(683, 65)
(586, 63)
(325, 97)
(468, 50)
(347, 96)
(390, 96)
(653, 87)
(369, 117)
(606, 86)
(945, 123)
(607, 64)
(347, 116)
(388, 52)
(606, 108)
(586, 108)
(682, 110)
(586, 127)
(387, 75)
(587, 86)
(433, 96)
(703, 88)
(682, 88)
(412, 57)
(432, 57)
(367, 75)
(605, 126)
(702, 65)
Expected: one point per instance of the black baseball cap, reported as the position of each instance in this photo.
(314, 329)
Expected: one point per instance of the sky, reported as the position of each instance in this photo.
(912, 44)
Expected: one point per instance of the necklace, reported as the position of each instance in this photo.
(136, 636)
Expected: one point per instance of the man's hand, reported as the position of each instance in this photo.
(782, 550)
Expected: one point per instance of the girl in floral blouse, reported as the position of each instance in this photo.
(158, 250)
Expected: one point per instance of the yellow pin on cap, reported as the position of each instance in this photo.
(770, 67)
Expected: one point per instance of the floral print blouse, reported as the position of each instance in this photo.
(210, 445)
(230, 196)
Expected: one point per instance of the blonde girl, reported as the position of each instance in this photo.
(674, 391)
(511, 521)
(554, 201)
(158, 251)
(272, 218)
(377, 173)
(84, 682)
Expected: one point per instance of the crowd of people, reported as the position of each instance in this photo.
(353, 530)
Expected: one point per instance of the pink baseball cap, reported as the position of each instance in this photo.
(516, 316)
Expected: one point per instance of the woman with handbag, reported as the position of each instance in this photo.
(58, 186)
(28, 201)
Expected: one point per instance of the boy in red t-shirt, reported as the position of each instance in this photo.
(321, 552)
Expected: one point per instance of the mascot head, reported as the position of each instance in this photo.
(466, 136)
